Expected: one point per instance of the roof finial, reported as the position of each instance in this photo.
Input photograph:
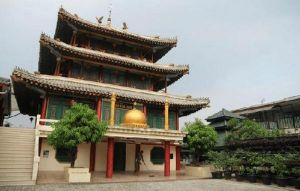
(109, 15)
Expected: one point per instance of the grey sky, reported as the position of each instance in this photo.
(239, 51)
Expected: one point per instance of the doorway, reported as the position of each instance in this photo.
(119, 157)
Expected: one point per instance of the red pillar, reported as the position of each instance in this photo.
(44, 108)
(167, 158)
(98, 109)
(145, 110)
(177, 157)
(110, 158)
(93, 145)
(92, 157)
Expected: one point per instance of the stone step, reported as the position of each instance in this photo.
(14, 140)
(20, 151)
(16, 137)
(12, 170)
(8, 158)
(17, 148)
(15, 178)
(24, 161)
(16, 155)
(14, 166)
(17, 183)
(10, 129)
(15, 174)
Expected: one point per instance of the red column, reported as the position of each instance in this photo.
(44, 108)
(110, 158)
(145, 110)
(167, 158)
(177, 157)
(98, 109)
(92, 157)
(93, 145)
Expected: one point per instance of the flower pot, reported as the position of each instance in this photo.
(251, 178)
(281, 181)
(266, 179)
(240, 177)
(217, 174)
(297, 183)
(227, 175)
(291, 181)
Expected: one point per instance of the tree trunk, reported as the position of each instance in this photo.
(73, 155)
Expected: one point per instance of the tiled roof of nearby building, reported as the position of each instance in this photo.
(223, 114)
(101, 57)
(267, 106)
(105, 29)
(4, 81)
(83, 87)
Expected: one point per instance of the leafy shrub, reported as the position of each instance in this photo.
(200, 138)
(78, 125)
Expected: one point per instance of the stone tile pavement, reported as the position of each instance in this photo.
(175, 185)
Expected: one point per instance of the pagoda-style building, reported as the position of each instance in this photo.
(116, 73)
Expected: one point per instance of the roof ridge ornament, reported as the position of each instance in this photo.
(109, 15)
(99, 19)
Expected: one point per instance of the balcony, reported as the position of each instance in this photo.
(44, 127)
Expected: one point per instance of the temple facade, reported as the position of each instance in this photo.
(116, 73)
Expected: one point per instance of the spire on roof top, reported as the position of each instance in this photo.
(109, 15)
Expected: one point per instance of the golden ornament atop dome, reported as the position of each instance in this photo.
(135, 118)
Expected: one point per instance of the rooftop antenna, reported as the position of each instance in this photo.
(109, 15)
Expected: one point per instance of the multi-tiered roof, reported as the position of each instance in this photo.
(65, 47)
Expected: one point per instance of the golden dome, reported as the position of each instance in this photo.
(135, 118)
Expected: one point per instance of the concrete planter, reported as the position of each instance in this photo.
(199, 171)
(77, 175)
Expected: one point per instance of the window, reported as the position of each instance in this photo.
(155, 118)
(105, 110)
(91, 73)
(76, 70)
(113, 77)
(157, 155)
(172, 120)
(62, 155)
(57, 107)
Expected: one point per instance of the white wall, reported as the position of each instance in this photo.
(101, 152)
(130, 157)
(51, 164)
(83, 158)
(149, 165)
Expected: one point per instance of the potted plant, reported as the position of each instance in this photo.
(216, 159)
(231, 164)
(240, 174)
(296, 172)
(280, 170)
(78, 125)
(200, 139)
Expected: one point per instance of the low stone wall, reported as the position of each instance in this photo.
(199, 171)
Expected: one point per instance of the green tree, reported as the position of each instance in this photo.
(78, 125)
(200, 138)
(249, 129)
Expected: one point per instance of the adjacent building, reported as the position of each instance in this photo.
(283, 114)
(219, 121)
(5, 99)
(116, 73)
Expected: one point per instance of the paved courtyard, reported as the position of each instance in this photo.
(178, 185)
